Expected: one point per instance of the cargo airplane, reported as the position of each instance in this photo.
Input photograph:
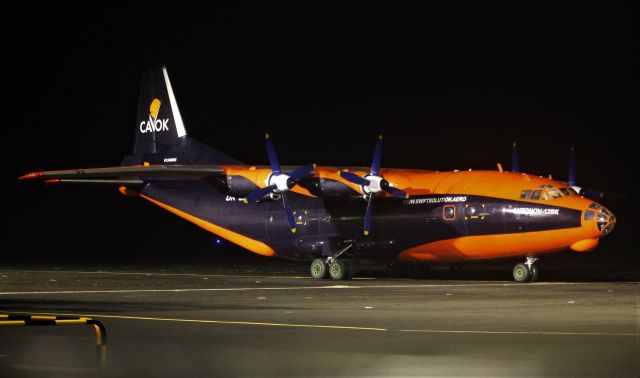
(333, 216)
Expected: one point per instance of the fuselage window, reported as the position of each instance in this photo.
(535, 195)
(525, 194)
(588, 215)
(449, 212)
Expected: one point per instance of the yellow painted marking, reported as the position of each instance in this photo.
(36, 317)
(71, 321)
(204, 321)
(355, 328)
(8, 323)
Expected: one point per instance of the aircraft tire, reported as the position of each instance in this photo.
(521, 273)
(319, 269)
(339, 270)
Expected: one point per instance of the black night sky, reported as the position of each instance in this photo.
(450, 85)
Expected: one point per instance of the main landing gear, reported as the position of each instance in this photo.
(338, 269)
(527, 271)
(333, 266)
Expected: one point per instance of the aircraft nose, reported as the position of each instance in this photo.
(604, 219)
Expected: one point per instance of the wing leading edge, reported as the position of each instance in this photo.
(130, 175)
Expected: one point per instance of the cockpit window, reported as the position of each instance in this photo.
(525, 194)
(568, 191)
(535, 195)
(588, 215)
(553, 192)
(594, 206)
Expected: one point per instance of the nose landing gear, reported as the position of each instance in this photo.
(527, 271)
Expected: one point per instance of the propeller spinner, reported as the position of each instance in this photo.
(279, 183)
(373, 183)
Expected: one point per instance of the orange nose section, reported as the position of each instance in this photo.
(605, 221)
(597, 222)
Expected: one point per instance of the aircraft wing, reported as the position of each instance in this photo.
(125, 175)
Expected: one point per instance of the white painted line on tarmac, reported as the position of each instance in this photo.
(543, 333)
(149, 274)
(324, 287)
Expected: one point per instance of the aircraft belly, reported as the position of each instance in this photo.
(200, 199)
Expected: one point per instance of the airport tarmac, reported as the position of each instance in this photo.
(165, 322)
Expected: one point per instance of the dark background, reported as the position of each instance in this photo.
(451, 86)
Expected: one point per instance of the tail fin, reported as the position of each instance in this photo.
(159, 123)
(160, 135)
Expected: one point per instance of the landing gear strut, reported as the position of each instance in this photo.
(527, 271)
(332, 266)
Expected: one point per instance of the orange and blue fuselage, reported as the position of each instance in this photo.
(448, 217)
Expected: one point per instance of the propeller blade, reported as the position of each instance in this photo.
(396, 192)
(273, 157)
(367, 216)
(302, 171)
(352, 177)
(515, 163)
(592, 194)
(571, 177)
(259, 193)
(290, 219)
(377, 157)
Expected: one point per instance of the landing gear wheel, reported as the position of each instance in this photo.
(534, 273)
(339, 270)
(319, 269)
(521, 273)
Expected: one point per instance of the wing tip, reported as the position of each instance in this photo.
(31, 176)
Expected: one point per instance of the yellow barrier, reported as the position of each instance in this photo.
(10, 320)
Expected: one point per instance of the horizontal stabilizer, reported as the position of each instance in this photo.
(106, 182)
(137, 172)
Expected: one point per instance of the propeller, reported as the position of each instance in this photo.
(571, 176)
(571, 179)
(279, 183)
(515, 163)
(373, 183)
